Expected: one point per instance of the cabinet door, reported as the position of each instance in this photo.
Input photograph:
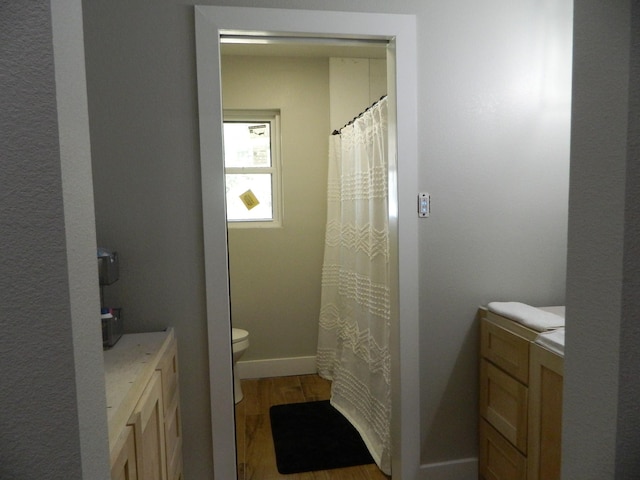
(148, 423)
(123, 458)
(172, 422)
(545, 414)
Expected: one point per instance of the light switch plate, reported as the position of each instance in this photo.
(424, 205)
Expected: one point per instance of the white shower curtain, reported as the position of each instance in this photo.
(353, 342)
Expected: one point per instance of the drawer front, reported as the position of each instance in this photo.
(123, 461)
(505, 349)
(499, 460)
(504, 404)
(173, 438)
(169, 368)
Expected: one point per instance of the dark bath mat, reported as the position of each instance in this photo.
(315, 436)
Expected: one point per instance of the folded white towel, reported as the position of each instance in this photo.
(529, 316)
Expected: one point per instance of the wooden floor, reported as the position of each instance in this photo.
(256, 455)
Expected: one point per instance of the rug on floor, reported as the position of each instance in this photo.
(315, 436)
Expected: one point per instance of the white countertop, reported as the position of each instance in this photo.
(553, 340)
(128, 366)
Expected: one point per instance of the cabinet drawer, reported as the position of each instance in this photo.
(499, 460)
(504, 403)
(505, 349)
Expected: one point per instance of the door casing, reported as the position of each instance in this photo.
(400, 32)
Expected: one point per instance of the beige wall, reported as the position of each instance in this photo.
(355, 84)
(276, 272)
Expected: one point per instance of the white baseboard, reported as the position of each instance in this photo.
(276, 367)
(463, 469)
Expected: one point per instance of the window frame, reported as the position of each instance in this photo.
(275, 170)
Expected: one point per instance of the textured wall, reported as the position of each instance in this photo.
(38, 414)
(158, 40)
(494, 94)
(494, 153)
(77, 190)
(141, 85)
(602, 417)
(628, 421)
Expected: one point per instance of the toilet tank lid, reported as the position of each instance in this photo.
(238, 334)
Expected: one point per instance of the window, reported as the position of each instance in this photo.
(252, 168)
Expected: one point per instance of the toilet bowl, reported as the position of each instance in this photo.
(240, 340)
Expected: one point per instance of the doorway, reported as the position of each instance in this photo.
(399, 31)
(296, 93)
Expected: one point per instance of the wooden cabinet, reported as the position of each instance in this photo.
(143, 403)
(520, 403)
(545, 414)
(504, 400)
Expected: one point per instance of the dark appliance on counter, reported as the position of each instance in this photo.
(108, 273)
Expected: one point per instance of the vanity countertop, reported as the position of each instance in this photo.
(128, 366)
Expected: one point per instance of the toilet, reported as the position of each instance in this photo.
(240, 340)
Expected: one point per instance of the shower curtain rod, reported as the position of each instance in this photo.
(265, 38)
(337, 132)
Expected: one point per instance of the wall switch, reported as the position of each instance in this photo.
(424, 205)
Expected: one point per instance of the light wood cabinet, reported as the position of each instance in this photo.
(520, 403)
(143, 403)
(545, 413)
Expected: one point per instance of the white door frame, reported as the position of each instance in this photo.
(400, 31)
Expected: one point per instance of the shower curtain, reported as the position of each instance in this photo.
(354, 326)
